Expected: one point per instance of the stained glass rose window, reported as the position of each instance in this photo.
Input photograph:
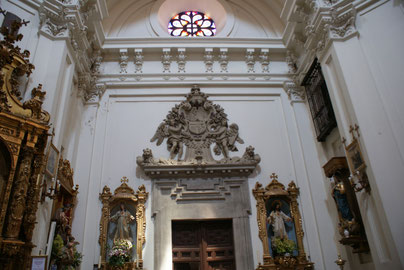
(191, 23)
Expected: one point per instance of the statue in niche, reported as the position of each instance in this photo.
(341, 199)
(122, 218)
(277, 220)
(281, 231)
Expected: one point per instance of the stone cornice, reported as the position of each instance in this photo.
(314, 25)
(77, 23)
(198, 171)
(275, 44)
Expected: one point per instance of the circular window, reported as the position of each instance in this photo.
(191, 23)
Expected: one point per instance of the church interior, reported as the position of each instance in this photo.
(201, 134)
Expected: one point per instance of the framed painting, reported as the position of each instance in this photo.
(39, 262)
(52, 160)
(355, 157)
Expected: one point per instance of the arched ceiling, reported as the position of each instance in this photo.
(235, 18)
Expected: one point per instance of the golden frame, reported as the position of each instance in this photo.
(126, 194)
(354, 156)
(52, 165)
(262, 195)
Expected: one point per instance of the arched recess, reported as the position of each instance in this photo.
(233, 18)
(5, 167)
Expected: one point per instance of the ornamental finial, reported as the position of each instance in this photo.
(124, 180)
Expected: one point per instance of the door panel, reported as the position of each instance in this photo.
(203, 245)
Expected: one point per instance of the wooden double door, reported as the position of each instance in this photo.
(203, 245)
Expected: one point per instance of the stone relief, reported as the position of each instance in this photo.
(166, 59)
(196, 124)
(181, 61)
(224, 61)
(264, 60)
(123, 60)
(314, 31)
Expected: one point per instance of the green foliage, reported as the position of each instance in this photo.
(57, 247)
(282, 246)
(60, 254)
(77, 258)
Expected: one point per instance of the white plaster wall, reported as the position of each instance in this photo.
(365, 87)
(117, 131)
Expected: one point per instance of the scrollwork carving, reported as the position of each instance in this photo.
(197, 123)
(35, 104)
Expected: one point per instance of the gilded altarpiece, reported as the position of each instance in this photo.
(23, 136)
(132, 204)
(275, 202)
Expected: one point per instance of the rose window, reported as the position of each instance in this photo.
(191, 23)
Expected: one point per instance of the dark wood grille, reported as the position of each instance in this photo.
(319, 102)
(203, 245)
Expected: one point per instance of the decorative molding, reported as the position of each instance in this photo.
(181, 61)
(295, 93)
(138, 63)
(96, 59)
(291, 62)
(77, 24)
(250, 61)
(196, 124)
(166, 59)
(313, 28)
(123, 60)
(264, 60)
(208, 60)
(224, 61)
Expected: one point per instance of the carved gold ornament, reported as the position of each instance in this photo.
(276, 190)
(123, 194)
(23, 132)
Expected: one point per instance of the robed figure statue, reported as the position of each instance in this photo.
(277, 219)
(122, 218)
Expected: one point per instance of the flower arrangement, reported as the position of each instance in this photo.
(65, 256)
(120, 253)
(282, 246)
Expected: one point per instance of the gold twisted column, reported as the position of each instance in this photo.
(19, 195)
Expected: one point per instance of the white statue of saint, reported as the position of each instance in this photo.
(122, 218)
(277, 220)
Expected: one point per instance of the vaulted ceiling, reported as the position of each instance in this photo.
(234, 18)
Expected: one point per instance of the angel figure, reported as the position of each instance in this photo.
(122, 218)
(220, 134)
(174, 142)
(233, 137)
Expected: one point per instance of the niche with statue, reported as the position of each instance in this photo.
(122, 227)
(280, 226)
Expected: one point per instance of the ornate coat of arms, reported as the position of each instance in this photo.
(195, 124)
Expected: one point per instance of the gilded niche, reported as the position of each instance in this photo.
(190, 129)
(122, 227)
(280, 226)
